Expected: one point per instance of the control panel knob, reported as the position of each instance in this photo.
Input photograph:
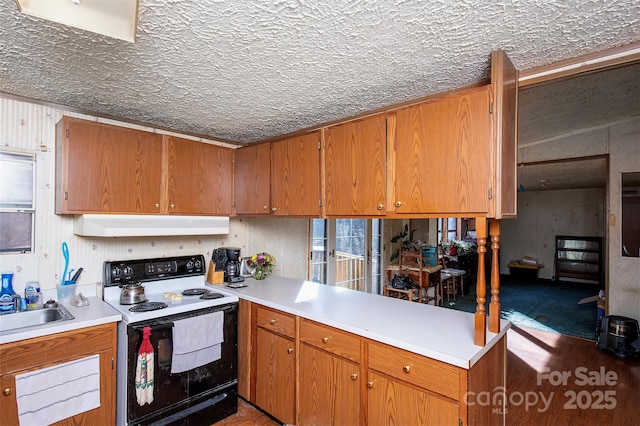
(198, 263)
(116, 272)
(190, 264)
(128, 271)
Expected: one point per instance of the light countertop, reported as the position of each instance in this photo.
(96, 313)
(439, 333)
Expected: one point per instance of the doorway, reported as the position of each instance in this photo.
(347, 253)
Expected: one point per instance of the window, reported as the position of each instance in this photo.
(17, 205)
(347, 253)
(447, 229)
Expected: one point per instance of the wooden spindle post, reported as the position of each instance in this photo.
(480, 319)
(494, 306)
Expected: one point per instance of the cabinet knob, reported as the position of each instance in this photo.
(157, 205)
(369, 385)
(406, 368)
(380, 206)
(398, 203)
(290, 350)
(272, 321)
(325, 339)
(7, 391)
(265, 207)
(274, 209)
(354, 376)
(173, 206)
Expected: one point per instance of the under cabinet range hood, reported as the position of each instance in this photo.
(124, 225)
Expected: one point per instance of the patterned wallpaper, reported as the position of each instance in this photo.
(30, 127)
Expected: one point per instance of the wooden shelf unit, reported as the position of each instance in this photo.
(579, 257)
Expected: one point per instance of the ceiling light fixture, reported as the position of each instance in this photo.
(117, 19)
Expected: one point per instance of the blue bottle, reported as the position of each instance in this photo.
(7, 294)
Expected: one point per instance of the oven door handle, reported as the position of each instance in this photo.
(169, 324)
(164, 326)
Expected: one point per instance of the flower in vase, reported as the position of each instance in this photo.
(262, 263)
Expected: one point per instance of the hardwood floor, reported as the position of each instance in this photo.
(568, 381)
(552, 379)
(247, 415)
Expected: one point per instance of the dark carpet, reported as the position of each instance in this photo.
(541, 304)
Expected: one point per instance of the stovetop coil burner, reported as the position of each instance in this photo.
(148, 306)
(211, 295)
(195, 292)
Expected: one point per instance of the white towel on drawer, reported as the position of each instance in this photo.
(55, 393)
(197, 341)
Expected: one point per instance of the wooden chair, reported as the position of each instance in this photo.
(450, 277)
(409, 265)
(428, 278)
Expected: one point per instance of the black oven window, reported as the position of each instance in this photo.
(165, 349)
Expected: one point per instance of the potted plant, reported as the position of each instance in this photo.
(405, 238)
(457, 247)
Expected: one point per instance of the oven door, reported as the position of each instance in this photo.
(202, 395)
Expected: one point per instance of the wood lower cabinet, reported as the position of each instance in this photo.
(275, 364)
(346, 379)
(34, 354)
(252, 180)
(329, 376)
(355, 156)
(394, 402)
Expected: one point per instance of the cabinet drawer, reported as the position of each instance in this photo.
(276, 321)
(416, 369)
(330, 339)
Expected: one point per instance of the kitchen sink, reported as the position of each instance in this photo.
(33, 318)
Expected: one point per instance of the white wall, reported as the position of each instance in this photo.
(544, 214)
(28, 127)
(623, 296)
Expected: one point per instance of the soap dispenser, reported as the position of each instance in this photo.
(7, 295)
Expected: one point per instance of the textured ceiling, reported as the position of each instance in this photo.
(247, 70)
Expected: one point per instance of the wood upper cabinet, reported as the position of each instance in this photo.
(102, 168)
(199, 177)
(252, 180)
(295, 177)
(355, 167)
(30, 355)
(504, 79)
(440, 155)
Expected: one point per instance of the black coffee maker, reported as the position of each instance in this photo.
(232, 265)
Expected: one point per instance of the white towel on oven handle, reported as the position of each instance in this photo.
(197, 341)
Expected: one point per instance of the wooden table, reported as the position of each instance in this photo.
(519, 269)
(427, 273)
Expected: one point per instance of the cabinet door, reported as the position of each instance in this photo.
(394, 402)
(199, 177)
(295, 178)
(329, 389)
(355, 171)
(275, 375)
(106, 169)
(252, 177)
(441, 161)
(41, 352)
